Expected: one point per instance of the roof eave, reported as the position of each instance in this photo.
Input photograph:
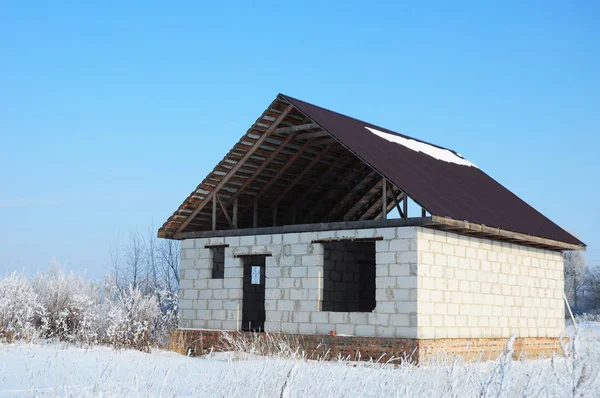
(466, 227)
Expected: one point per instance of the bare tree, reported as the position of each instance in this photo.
(575, 281)
(169, 251)
(115, 264)
(152, 261)
(591, 289)
(148, 264)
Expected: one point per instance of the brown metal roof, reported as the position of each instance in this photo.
(300, 163)
(443, 188)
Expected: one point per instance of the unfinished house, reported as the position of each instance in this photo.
(293, 232)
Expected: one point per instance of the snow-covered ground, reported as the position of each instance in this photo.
(60, 370)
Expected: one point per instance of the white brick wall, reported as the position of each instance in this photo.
(294, 285)
(429, 284)
(471, 287)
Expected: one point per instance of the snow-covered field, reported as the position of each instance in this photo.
(62, 370)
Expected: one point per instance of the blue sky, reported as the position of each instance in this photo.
(111, 113)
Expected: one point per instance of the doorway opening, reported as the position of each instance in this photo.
(253, 307)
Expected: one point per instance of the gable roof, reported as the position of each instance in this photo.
(438, 179)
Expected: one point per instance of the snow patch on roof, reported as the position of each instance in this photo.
(444, 155)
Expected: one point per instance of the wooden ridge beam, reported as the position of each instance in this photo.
(235, 168)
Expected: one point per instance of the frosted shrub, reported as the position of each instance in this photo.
(587, 318)
(130, 319)
(168, 318)
(66, 307)
(71, 307)
(19, 308)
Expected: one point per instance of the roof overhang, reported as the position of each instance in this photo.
(433, 222)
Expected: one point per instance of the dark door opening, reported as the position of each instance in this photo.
(253, 308)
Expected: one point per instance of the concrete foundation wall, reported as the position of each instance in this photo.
(428, 285)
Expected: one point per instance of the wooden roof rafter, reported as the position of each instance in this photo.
(352, 197)
(272, 127)
(301, 175)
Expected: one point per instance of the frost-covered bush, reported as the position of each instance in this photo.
(587, 318)
(130, 319)
(71, 306)
(66, 307)
(19, 308)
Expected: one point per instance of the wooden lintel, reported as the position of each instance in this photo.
(334, 240)
(216, 245)
(252, 255)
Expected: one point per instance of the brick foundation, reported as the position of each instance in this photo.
(473, 349)
(198, 342)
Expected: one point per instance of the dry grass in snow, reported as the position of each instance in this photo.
(65, 370)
